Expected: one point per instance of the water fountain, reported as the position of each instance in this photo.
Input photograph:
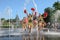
(54, 32)
(0, 23)
(12, 27)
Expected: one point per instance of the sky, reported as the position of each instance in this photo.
(11, 8)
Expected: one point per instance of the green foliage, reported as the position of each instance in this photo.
(6, 23)
(49, 11)
(5, 26)
(56, 5)
(2, 18)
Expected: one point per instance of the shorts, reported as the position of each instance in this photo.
(24, 26)
(31, 24)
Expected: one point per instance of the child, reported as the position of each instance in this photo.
(41, 22)
(30, 24)
(24, 23)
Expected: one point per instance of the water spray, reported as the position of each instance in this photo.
(26, 2)
(35, 5)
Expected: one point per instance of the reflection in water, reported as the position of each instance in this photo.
(33, 37)
(30, 37)
(38, 37)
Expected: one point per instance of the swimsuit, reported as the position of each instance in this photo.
(30, 21)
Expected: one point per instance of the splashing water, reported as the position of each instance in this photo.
(35, 5)
(55, 18)
(56, 15)
(0, 23)
(26, 2)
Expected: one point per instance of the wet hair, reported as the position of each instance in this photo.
(34, 18)
(29, 15)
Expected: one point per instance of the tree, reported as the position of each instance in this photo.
(17, 21)
(2, 19)
(5, 24)
(56, 5)
(49, 11)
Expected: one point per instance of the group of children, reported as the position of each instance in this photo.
(32, 20)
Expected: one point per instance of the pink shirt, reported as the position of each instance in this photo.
(26, 20)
